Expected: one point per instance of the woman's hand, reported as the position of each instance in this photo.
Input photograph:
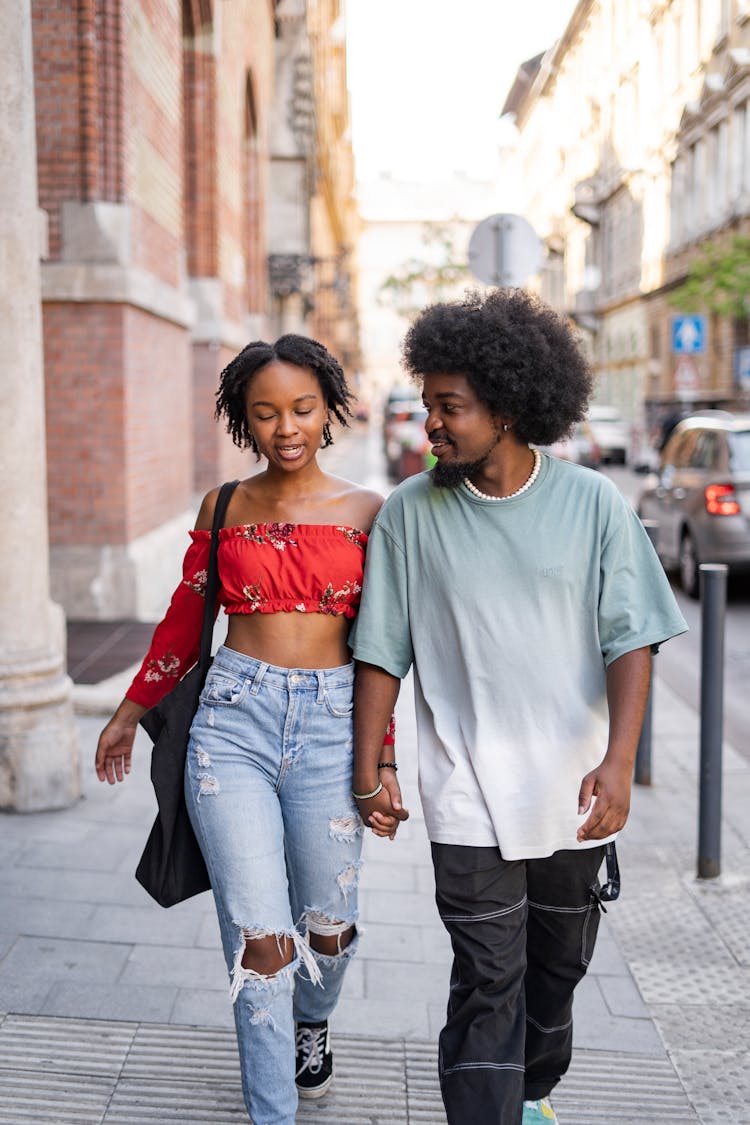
(115, 747)
(384, 812)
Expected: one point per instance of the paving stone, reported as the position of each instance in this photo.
(702, 1027)
(22, 994)
(691, 982)
(114, 1001)
(401, 907)
(48, 917)
(393, 942)
(403, 1021)
(41, 1099)
(384, 876)
(717, 1083)
(145, 925)
(406, 984)
(68, 1046)
(622, 996)
(607, 959)
(202, 1007)
(594, 1024)
(201, 968)
(72, 885)
(56, 959)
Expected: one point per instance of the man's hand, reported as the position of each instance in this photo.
(610, 784)
(628, 680)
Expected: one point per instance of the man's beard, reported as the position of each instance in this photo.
(451, 474)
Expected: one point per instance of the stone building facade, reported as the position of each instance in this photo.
(633, 148)
(162, 130)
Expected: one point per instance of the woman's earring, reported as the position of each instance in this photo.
(327, 436)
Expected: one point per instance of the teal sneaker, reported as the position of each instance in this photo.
(539, 1113)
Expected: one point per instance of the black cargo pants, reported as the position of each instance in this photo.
(523, 932)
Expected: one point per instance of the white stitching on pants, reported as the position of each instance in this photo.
(484, 1066)
(483, 917)
(560, 909)
(549, 1030)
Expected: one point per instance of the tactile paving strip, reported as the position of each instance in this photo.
(80, 1072)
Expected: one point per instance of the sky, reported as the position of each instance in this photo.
(428, 79)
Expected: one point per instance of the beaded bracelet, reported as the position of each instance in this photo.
(388, 766)
(366, 796)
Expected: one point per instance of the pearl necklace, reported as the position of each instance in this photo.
(512, 495)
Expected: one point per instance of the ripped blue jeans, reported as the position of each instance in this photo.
(268, 789)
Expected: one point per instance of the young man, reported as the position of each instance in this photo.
(527, 597)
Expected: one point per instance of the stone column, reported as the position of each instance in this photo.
(39, 766)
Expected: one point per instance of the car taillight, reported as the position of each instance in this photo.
(721, 500)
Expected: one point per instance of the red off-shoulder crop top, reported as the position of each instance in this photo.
(263, 568)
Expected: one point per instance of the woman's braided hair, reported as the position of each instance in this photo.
(300, 351)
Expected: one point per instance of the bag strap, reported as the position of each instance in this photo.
(212, 578)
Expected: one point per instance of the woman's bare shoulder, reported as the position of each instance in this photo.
(205, 518)
(363, 504)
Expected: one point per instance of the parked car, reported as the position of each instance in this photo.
(611, 433)
(580, 447)
(700, 495)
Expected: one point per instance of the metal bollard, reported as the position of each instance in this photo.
(713, 580)
(642, 772)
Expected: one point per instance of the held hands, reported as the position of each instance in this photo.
(610, 783)
(384, 811)
(115, 747)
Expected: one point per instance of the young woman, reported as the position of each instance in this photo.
(268, 778)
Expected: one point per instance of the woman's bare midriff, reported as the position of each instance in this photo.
(291, 640)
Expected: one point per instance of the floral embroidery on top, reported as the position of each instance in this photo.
(166, 665)
(353, 535)
(279, 535)
(197, 582)
(254, 595)
(332, 600)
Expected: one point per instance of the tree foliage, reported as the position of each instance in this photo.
(718, 280)
(421, 281)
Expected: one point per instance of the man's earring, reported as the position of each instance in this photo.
(506, 427)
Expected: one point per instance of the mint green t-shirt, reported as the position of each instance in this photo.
(510, 612)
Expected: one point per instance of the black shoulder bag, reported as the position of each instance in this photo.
(172, 867)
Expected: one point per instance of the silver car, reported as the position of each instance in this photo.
(700, 495)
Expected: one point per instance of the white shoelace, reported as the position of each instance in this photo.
(311, 1043)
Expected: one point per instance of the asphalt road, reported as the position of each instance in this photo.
(680, 660)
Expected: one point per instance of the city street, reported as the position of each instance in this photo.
(115, 1012)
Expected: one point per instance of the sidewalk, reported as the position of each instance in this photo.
(115, 1012)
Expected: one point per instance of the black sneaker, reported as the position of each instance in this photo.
(314, 1070)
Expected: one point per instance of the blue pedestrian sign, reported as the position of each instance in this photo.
(688, 335)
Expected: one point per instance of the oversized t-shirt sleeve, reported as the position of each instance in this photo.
(380, 634)
(636, 603)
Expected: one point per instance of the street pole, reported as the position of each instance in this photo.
(642, 773)
(713, 581)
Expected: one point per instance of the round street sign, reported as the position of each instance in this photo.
(505, 250)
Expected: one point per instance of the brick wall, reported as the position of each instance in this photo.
(215, 458)
(138, 106)
(119, 429)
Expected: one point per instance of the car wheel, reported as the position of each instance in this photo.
(689, 572)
